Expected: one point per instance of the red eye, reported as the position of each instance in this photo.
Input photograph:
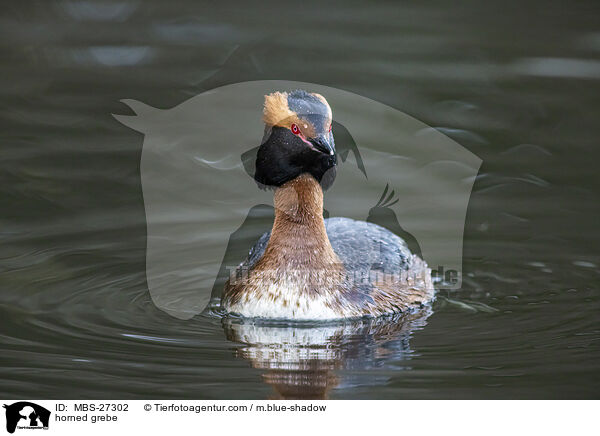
(295, 129)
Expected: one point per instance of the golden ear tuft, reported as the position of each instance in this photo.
(276, 109)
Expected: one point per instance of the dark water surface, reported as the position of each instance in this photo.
(516, 83)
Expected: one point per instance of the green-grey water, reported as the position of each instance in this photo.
(516, 83)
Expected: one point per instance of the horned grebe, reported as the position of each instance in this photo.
(308, 268)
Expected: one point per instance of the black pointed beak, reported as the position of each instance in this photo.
(324, 145)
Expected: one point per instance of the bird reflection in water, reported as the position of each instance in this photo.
(306, 361)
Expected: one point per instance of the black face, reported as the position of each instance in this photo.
(284, 156)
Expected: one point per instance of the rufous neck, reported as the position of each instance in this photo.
(299, 201)
(299, 229)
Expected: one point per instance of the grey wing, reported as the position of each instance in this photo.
(360, 245)
(257, 250)
(364, 246)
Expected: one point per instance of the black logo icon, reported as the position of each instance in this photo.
(24, 414)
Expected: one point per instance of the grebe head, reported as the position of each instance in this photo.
(298, 139)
